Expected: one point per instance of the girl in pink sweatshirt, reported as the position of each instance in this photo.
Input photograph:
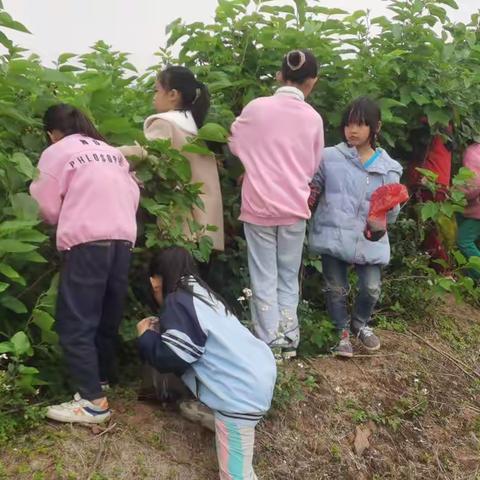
(469, 223)
(279, 140)
(85, 188)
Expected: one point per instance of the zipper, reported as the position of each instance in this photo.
(367, 183)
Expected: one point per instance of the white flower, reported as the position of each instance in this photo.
(247, 292)
(240, 299)
(3, 356)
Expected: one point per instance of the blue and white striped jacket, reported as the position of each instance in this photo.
(227, 368)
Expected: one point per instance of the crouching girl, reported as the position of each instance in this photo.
(197, 337)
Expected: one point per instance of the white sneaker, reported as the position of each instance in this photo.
(79, 410)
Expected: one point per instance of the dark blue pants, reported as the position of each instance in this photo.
(91, 297)
(337, 287)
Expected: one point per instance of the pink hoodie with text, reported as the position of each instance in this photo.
(279, 140)
(85, 187)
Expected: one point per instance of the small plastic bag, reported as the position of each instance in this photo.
(383, 199)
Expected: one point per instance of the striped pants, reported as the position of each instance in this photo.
(235, 439)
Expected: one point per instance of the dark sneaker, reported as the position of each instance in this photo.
(369, 340)
(288, 353)
(344, 347)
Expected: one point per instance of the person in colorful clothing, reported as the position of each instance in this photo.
(469, 221)
(349, 173)
(196, 336)
(279, 140)
(85, 188)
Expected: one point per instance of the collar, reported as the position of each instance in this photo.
(182, 119)
(291, 92)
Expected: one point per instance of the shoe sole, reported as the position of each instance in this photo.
(87, 420)
(343, 354)
(371, 349)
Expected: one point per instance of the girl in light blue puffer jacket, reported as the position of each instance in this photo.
(349, 173)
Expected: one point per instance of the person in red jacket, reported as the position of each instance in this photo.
(434, 154)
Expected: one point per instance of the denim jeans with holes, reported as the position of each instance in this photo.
(337, 287)
(274, 258)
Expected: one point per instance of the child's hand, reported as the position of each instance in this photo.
(149, 323)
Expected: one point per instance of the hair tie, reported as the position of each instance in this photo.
(198, 93)
(301, 63)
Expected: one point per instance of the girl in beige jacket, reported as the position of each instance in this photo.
(182, 103)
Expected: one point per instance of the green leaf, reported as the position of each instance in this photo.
(51, 75)
(181, 166)
(437, 116)
(14, 246)
(43, 320)
(432, 176)
(23, 165)
(6, 347)
(459, 258)
(34, 257)
(429, 210)
(13, 304)
(473, 263)
(115, 125)
(419, 98)
(50, 337)
(197, 149)
(65, 57)
(21, 344)
(3, 286)
(7, 21)
(25, 370)
(450, 3)
(213, 132)
(11, 273)
(25, 207)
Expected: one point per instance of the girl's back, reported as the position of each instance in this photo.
(279, 140)
(86, 187)
(235, 371)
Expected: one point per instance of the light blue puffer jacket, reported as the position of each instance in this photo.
(337, 226)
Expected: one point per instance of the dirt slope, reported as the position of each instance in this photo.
(406, 413)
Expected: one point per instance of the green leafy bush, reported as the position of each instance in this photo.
(416, 64)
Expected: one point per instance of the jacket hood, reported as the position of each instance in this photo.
(183, 120)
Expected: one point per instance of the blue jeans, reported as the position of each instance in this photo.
(337, 287)
(274, 258)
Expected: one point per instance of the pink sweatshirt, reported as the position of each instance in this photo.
(471, 160)
(279, 140)
(85, 186)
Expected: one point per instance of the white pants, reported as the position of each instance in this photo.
(274, 259)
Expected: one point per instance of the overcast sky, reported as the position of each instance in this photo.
(135, 26)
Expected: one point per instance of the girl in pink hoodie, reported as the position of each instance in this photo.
(85, 188)
(469, 222)
(279, 140)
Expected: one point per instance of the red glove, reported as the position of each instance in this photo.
(382, 201)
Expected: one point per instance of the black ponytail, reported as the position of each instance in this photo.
(176, 266)
(69, 120)
(195, 95)
(298, 66)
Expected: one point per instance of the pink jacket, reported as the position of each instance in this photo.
(85, 187)
(279, 140)
(471, 160)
